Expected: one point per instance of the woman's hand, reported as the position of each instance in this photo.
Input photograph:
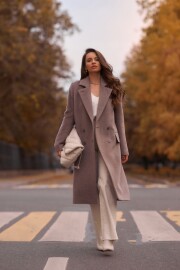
(124, 158)
(59, 153)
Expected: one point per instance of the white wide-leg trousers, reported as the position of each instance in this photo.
(104, 212)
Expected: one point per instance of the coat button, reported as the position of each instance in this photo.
(108, 127)
(83, 130)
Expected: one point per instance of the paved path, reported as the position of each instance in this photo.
(41, 229)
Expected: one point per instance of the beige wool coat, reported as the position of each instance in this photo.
(110, 136)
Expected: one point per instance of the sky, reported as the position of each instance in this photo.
(112, 27)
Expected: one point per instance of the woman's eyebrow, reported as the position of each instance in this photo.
(92, 58)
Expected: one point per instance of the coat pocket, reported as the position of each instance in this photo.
(117, 137)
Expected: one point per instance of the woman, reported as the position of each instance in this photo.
(95, 108)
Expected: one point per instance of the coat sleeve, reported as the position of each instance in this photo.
(119, 120)
(67, 122)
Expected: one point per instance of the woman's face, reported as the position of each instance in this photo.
(92, 62)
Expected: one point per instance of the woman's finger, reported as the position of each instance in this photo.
(124, 158)
(59, 153)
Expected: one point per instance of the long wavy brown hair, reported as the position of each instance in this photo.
(107, 74)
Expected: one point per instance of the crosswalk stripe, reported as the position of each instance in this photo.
(153, 227)
(40, 186)
(119, 216)
(54, 186)
(56, 263)
(27, 228)
(156, 185)
(6, 217)
(70, 226)
(173, 216)
(135, 186)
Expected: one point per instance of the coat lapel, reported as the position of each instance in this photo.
(85, 95)
(103, 98)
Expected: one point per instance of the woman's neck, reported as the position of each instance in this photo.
(94, 78)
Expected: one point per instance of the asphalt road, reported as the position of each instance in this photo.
(40, 229)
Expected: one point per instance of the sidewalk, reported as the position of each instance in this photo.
(61, 176)
(13, 178)
(164, 175)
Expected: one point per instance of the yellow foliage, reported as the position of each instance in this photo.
(152, 82)
(31, 66)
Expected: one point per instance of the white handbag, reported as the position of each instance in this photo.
(72, 150)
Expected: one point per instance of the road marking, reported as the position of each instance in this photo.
(156, 186)
(36, 186)
(132, 241)
(69, 227)
(173, 216)
(119, 216)
(153, 227)
(72, 226)
(6, 217)
(53, 186)
(66, 186)
(27, 228)
(56, 263)
(135, 186)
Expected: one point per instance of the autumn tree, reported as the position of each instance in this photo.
(32, 62)
(152, 81)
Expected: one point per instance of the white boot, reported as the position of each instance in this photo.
(105, 245)
(100, 244)
(108, 245)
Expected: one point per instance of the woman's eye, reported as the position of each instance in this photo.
(90, 60)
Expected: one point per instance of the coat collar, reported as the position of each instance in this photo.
(85, 94)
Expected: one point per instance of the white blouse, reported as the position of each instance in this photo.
(95, 101)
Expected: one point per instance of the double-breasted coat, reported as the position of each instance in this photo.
(110, 137)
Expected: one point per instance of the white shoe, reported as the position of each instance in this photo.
(100, 245)
(108, 245)
(105, 245)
